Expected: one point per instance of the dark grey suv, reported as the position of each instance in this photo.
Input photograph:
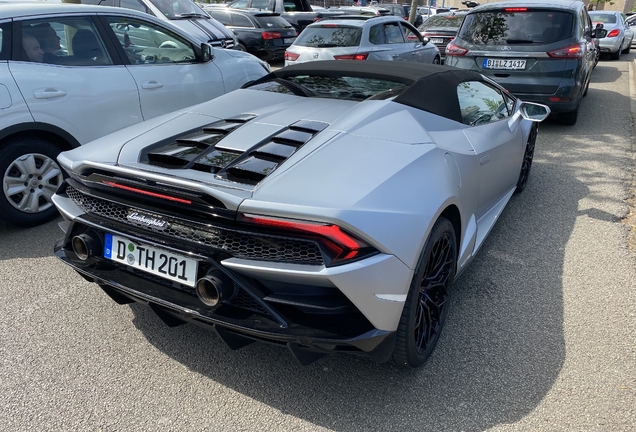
(541, 52)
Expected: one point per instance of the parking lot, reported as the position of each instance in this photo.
(541, 333)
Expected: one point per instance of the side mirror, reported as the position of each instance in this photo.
(425, 40)
(599, 33)
(533, 111)
(206, 53)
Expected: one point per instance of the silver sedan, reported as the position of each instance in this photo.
(619, 35)
(362, 38)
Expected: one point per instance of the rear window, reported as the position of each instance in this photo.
(517, 28)
(335, 87)
(272, 22)
(603, 18)
(329, 36)
(452, 21)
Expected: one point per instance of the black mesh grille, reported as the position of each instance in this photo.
(236, 243)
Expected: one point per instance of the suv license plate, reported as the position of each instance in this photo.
(150, 259)
(437, 40)
(503, 64)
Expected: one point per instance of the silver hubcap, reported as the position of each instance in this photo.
(30, 182)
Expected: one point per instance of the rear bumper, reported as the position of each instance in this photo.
(322, 324)
(610, 45)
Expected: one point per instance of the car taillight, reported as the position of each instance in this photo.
(291, 56)
(455, 50)
(613, 33)
(271, 35)
(516, 9)
(572, 51)
(338, 244)
(362, 56)
(146, 192)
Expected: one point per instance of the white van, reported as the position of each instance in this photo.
(182, 13)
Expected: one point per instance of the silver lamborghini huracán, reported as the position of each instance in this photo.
(327, 206)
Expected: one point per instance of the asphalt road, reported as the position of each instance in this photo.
(541, 334)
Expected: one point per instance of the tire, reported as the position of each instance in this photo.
(597, 57)
(436, 60)
(628, 49)
(617, 54)
(241, 47)
(428, 297)
(528, 155)
(30, 177)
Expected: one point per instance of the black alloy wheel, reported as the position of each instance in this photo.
(436, 60)
(528, 155)
(427, 303)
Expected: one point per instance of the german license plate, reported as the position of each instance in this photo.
(289, 40)
(503, 64)
(150, 259)
(437, 40)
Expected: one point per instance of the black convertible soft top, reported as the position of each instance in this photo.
(431, 88)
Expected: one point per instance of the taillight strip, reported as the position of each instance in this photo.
(145, 192)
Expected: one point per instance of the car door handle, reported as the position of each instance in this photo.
(151, 85)
(48, 93)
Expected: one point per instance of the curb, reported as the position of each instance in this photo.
(632, 88)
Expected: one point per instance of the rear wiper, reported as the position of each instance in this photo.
(326, 45)
(518, 41)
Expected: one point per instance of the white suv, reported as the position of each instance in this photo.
(71, 73)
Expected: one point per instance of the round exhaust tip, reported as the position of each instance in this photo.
(208, 290)
(85, 246)
(214, 288)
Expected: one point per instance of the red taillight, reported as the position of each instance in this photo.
(145, 192)
(338, 243)
(291, 56)
(330, 25)
(613, 33)
(560, 99)
(362, 56)
(272, 35)
(516, 9)
(572, 51)
(455, 50)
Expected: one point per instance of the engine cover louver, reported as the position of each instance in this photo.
(210, 150)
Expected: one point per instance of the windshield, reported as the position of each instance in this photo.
(519, 27)
(175, 9)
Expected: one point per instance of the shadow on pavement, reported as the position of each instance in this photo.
(36, 242)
